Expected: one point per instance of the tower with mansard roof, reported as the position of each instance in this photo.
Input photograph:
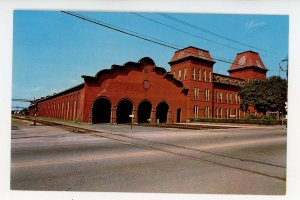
(248, 66)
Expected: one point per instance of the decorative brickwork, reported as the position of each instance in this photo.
(144, 93)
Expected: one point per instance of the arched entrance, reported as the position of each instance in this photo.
(178, 115)
(101, 111)
(144, 112)
(124, 109)
(162, 112)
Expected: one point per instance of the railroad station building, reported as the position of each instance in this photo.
(149, 94)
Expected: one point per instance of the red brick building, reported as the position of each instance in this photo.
(150, 93)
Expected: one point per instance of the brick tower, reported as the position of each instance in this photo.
(248, 66)
(194, 68)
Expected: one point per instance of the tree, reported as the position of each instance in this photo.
(264, 95)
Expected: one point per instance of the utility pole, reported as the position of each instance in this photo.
(287, 68)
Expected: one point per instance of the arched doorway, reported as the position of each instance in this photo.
(162, 112)
(101, 111)
(144, 112)
(124, 109)
(178, 115)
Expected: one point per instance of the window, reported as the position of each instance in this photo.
(179, 74)
(62, 110)
(226, 112)
(206, 112)
(236, 99)
(75, 108)
(68, 108)
(221, 116)
(174, 74)
(199, 74)
(194, 73)
(206, 95)
(217, 112)
(227, 97)
(58, 109)
(230, 98)
(204, 76)
(196, 93)
(217, 96)
(239, 100)
(184, 74)
(196, 111)
(221, 97)
(209, 76)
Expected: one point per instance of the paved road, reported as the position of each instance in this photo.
(115, 158)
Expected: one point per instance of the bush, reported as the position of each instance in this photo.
(262, 121)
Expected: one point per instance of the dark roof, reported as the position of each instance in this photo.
(247, 59)
(193, 53)
(228, 80)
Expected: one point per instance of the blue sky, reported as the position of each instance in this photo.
(51, 50)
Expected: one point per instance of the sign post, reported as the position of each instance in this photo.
(131, 116)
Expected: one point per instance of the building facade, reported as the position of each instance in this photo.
(145, 93)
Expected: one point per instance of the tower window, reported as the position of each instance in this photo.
(179, 74)
(194, 73)
(199, 75)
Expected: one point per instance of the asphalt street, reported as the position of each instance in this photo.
(114, 158)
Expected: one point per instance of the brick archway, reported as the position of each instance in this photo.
(178, 115)
(101, 111)
(144, 111)
(124, 109)
(162, 112)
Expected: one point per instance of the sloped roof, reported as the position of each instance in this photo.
(247, 59)
(191, 52)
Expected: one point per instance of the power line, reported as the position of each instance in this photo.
(182, 31)
(137, 35)
(115, 29)
(209, 32)
(97, 22)
(256, 31)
